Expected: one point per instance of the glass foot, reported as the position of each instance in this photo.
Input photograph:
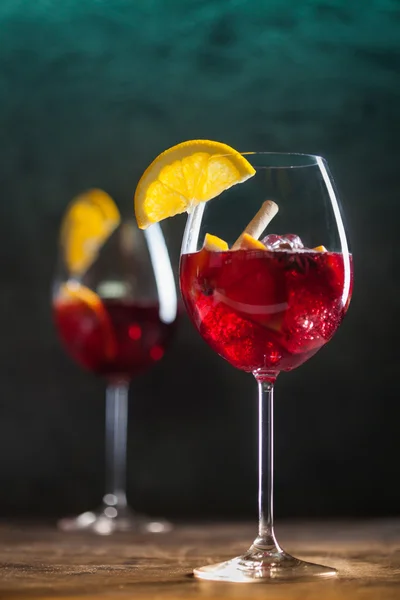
(111, 519)
(258, 566)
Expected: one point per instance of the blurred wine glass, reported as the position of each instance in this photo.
(115, 305)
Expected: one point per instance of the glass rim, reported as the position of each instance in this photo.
(294, 160)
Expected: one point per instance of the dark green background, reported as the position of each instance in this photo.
(90, 92)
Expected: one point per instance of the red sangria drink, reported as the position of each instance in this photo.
(115, 338)
(261, 310)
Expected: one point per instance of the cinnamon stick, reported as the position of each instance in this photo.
(259, 222)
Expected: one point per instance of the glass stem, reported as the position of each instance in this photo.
(116, 442)
(266, 535)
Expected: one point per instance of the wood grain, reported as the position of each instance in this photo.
(40, 562)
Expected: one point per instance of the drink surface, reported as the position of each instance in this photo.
(265, 311)
(117, 339)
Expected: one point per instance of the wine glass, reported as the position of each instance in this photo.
(115, 305)
(268, 309)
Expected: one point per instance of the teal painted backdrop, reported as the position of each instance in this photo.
(90, 92)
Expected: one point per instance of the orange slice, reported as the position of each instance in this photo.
(320, 249)
(185, 175)
(214, 243)
(89, 221)
(72, 291)
(249, 243)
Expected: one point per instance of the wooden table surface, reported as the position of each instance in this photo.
(40, 562)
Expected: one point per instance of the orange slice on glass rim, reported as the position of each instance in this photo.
(185, 175)
(73, 292)
(89, 221)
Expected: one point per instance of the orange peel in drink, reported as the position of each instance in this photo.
(74, 292)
